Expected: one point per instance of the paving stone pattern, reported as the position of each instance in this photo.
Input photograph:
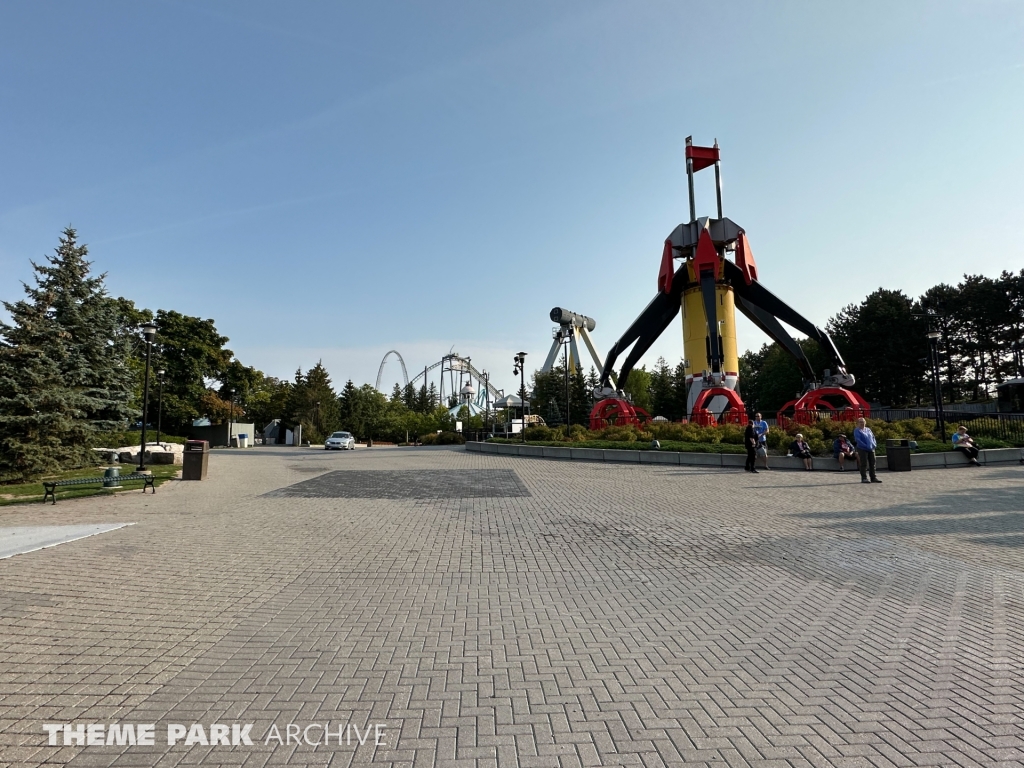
(569, 615)
(408, 484)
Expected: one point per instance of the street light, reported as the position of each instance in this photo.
(231, 416)
(940, 416)
(487, 398)
(149, 333)
(519, 369)
(563, 337)
(160, 403)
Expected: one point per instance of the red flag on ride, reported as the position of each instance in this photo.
(667, 269)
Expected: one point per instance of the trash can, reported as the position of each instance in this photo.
(195, 460)
(112, 477)
(243, 440)
(897, 455)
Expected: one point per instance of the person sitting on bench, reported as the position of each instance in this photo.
(965, 444)
(842, 449)
(802, 450)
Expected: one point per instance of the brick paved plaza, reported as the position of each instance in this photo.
(506, 611)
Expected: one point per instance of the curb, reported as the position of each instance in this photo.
(737, 460)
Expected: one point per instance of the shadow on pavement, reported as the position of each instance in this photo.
(981, 515)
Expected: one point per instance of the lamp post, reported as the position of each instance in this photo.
(487, 398)
(149, 333)
(160, 403)
(940, 416)
(519, 361)
(231, 416)
(562, 335)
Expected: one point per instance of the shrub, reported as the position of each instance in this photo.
(450, 438)
(538, 432)
(578, 433)
(619, 434)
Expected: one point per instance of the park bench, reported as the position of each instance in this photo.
(50, 487)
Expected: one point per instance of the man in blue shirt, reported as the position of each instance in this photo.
(761, 430)
(865, 441)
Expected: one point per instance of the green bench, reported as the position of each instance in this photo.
(50, 488)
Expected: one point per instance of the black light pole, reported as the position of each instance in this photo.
(160, 404)
(520, 368)
(149, 333)
(940, 416)
(487, 398)
(565, 358)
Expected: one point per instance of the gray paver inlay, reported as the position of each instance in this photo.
(565, 615)
(408, 484)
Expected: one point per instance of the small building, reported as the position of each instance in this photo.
(1010, 396)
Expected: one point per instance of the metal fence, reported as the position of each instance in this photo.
(1000, 426)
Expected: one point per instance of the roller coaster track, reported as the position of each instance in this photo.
(380, 371)
(467, 366)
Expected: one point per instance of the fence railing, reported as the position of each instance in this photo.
(1000, 426)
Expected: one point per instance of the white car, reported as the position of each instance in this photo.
(340, 441)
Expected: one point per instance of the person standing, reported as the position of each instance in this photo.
(750, 441)
(761, 430)
(865, 441)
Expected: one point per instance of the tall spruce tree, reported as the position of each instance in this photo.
(64, 370)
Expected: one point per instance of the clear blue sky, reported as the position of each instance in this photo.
(333, 180)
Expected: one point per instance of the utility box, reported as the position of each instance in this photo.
(897, 455)
(195, 460)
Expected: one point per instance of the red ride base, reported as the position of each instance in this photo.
(734, 413)
(834, 403)
(614, 411)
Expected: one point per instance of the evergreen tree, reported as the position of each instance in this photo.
(314, 404)
(661, 389)
(95, 348)
(679, 410)
(410, 398)
(883, 344)
(347, 404)
(53, 396)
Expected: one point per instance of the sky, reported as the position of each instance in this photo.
(329, 181)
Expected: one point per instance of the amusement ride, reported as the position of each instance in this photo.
(708, 287)
(707, 272)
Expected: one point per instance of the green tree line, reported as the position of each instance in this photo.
(72, 366)
(884, 344)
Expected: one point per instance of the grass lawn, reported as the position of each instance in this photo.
(21, 493)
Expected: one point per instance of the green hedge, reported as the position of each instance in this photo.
(443, 438)
(728, 438)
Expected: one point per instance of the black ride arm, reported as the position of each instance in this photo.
(714, 346)
(646, 329)
(773, 329)
(758, 296)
